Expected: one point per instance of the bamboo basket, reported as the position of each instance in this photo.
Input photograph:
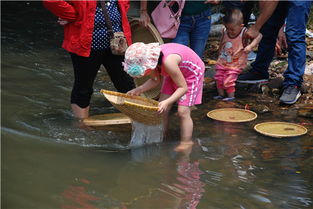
(280, 129)
(146, 35)
(139, 109)
(107, 119)
(234, 115)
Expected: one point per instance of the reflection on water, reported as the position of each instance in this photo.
(189, 188)
(47, 162)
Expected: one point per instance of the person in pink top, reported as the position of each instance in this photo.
(233, 54)
(182, 72)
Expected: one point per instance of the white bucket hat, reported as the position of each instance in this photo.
(140, 57)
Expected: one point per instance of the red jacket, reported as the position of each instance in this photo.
(81, 15)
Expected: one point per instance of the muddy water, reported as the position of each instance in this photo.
(47, 162)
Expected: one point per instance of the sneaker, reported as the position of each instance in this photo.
(228, 99)
(290, 95)
(218, 97)
(251, 77)
(251, 56)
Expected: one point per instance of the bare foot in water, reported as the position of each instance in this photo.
(183, 146)
(80, 123)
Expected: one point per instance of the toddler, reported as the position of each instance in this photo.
(233, 54)
(182, 72)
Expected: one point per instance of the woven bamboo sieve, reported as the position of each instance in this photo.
(139, 109)
(280, 129)
(232, 115)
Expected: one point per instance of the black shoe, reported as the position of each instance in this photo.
(251, 77)
(290, 95)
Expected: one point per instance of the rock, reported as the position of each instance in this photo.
(276, 92)
(306, 112)
(309, 54)
(265, 90)
(265, 99)
(307, 84)
(216, 30)
(260, 108)
(309, 69)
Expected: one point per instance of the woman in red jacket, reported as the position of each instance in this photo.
(86, 39)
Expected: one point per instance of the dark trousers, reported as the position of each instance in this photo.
(85, 72)
(296, 14)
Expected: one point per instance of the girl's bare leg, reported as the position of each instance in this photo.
(230, 95)
(186, 128)
(165, 115)
(221, 92)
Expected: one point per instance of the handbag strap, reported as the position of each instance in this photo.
(170, 3)
(107, 18)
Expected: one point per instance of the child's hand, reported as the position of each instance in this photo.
(134, 92)
(247, 49)
(162, 107)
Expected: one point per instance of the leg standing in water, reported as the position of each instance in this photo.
(86, 38)
(182, 71)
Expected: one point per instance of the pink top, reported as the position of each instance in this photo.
(190, 64)
(232, 54)
(192, 69)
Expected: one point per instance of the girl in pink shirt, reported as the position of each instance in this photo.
(233, 53)
(182, 72)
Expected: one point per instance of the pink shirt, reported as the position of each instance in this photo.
(192, 69)
(190, 65)
(232, 55)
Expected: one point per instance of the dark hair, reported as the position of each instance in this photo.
(233, 16)
(160, 59)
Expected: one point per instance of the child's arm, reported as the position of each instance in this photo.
(151, 83)
(253, 44)
(220, 42)
(172, 68)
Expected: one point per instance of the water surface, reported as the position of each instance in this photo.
(48, 162)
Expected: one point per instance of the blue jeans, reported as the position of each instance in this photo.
(194, 31)
(296, 14)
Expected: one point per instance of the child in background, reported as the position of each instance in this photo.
(182, 71)
(233, 54)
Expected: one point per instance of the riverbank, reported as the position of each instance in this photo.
(265, 98)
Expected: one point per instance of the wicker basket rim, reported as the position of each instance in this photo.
(148, 100)
(155, 33)
(256, 128)
(141, 106)
(209, 114)
(134, 108)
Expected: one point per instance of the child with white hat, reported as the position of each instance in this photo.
(182, 72)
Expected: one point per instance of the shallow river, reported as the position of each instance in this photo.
(47, 162)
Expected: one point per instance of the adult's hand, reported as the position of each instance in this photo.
(281, 43)
(144, 18)
(252, 33)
